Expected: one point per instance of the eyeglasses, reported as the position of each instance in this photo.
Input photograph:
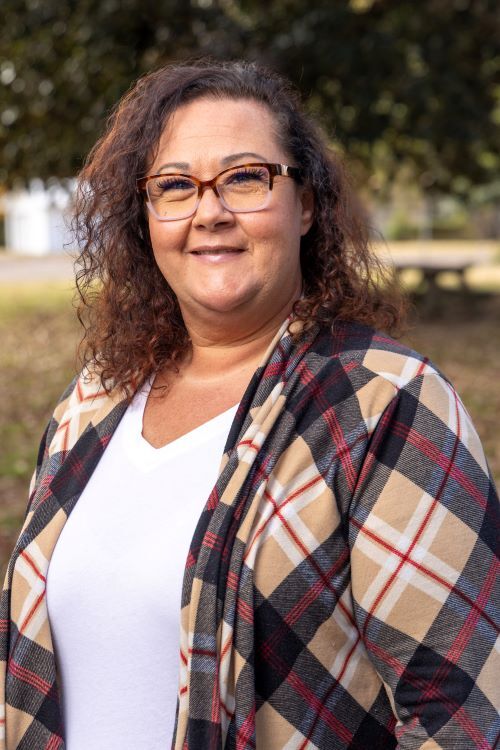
(240, 189)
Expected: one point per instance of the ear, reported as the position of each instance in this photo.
(307, 202)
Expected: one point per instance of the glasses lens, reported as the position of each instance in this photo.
(172, 196)
(244, 188)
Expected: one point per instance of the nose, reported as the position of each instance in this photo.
(211, 212)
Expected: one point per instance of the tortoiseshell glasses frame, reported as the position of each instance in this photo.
(219, 184)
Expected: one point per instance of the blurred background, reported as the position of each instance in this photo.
(409, 92)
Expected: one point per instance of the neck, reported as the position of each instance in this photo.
(220, 348)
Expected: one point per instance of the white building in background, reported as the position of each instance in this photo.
(37, 219)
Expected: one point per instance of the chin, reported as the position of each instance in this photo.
(225, 301)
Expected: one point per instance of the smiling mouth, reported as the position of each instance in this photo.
(217, 251)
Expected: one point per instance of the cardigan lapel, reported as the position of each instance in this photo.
(86, 421)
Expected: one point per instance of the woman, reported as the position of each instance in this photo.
(337, 591)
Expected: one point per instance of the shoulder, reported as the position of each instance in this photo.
(354, 346)
(85, 400)
(387, 379)
(361, 372)
(83, 404)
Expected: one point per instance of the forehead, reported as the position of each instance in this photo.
(203, 132)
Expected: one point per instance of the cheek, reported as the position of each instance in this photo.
(277, 258)
(166, 238)
(274, 227)
(278, 235)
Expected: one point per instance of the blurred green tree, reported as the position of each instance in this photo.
(397, 84)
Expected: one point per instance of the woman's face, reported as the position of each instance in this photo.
(217, 261)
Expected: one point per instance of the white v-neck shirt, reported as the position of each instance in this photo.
(115, 579)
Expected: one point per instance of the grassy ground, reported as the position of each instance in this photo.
(39, 333)
(37, 360)
(462, 337)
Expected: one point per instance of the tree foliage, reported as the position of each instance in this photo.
(398, 84)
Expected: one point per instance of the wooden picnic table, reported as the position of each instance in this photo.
(431, 264)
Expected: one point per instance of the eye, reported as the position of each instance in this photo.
(247, 175)
(173, 183)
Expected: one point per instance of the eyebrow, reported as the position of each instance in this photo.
(242, 155)
(182, 165)
(226, 161)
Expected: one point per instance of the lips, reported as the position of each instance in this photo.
(216, 250)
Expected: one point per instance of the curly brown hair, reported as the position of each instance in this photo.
(132, 321)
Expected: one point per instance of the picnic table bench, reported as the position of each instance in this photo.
(432, 263)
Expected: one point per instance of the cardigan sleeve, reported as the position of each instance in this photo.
(423, 533)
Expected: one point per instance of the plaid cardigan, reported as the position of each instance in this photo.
(339, 589)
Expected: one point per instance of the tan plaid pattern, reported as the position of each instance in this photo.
(339, 591)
